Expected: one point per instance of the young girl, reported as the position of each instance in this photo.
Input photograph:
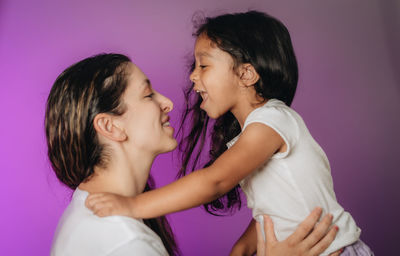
(245, 75)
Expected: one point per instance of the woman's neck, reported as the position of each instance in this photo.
(125, 174)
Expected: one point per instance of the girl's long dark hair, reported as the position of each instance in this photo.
(251, 37)
(92, 86)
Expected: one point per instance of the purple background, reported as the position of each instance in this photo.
(348, 94)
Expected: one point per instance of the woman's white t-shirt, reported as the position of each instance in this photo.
(81, 233)
(292, 183)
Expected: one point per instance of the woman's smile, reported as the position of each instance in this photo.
(167, 126)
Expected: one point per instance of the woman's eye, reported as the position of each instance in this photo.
(150, 95)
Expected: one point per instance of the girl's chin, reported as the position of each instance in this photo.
(212, 115)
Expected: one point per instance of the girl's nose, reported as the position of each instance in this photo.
(166, 104)
(193, 76)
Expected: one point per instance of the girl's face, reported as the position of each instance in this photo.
(214, 78)
(146, 120)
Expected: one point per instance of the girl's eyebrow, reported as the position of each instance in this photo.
(204, 54)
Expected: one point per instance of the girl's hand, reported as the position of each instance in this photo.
(106, 204)
(302, 241)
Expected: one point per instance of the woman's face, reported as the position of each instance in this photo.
(146, 120)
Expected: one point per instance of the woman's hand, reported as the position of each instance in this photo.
(106, 204)
(310, 238)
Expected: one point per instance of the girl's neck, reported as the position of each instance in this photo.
(244, 107)
(125, 174)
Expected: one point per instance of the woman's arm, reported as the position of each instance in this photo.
(310, 238)
(255, 146)
(301, 242)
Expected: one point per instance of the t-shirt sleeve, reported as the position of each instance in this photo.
(138, 247)
(281, 120)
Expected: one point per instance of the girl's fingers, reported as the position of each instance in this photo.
(98, 206)
(98, 203)
(92, 202)
(94, 199)
(319, 231)
(94, 196)
(324, 242)
(103, 212)
(103, 209)
(260, 241)
(305, 227)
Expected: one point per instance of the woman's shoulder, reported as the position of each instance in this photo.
(84, 231)
(79, 222)
(115, 228)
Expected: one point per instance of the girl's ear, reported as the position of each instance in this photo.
(248, 75)
(105, 125)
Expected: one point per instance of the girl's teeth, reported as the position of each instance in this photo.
(166, 124)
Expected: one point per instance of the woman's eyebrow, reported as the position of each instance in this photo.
(147, 83)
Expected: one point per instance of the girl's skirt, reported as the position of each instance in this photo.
(357, 249)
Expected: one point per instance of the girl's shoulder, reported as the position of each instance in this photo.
(273, 110)
(278, 116)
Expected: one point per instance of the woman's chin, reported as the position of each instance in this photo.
(173, 145)
(169, 146)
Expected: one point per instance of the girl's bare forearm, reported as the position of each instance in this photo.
(190, 191)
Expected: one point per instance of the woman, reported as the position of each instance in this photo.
(105, 125)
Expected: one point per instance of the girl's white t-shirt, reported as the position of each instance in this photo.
(81, 233)
(292, 183)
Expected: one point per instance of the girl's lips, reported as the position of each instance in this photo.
(204, 96)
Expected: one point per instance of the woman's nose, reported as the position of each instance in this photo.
(166, 104)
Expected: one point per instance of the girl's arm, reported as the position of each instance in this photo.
(255, 146)
(247, 243)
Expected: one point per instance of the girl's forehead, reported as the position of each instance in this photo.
(204, 41)
(205, 48)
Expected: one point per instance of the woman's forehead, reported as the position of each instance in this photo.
(137, 80)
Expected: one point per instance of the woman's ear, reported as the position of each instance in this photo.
(248, 75)
(105, 125)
